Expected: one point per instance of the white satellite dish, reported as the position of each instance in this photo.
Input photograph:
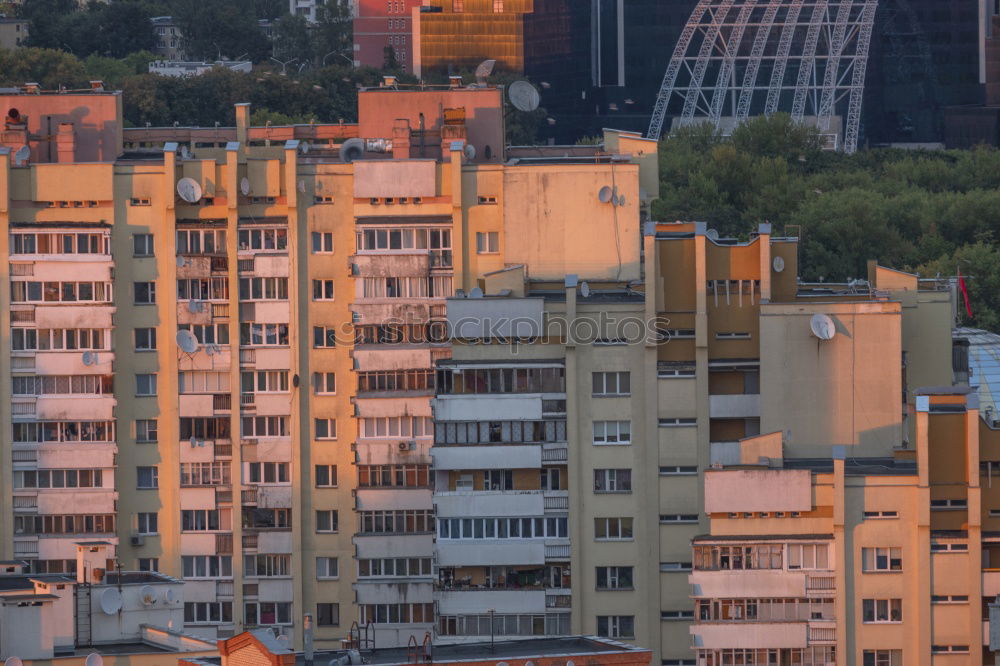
(148, 595)
(604, 194)
(182, 261)
(712, 234)
(169, 596)
(187, 342)
(822, 327)
(475, 292)
(245, 186)
(523, 96)
(13, 661)
(94, 659)
(89, 358)
(111, 601)
(483, 70)
(585, 289)
(189, 190)
(470, 152)
(778, 264)
(22, 155)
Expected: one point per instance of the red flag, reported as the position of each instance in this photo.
(965, 293)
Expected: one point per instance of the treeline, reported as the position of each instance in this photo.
(929, 212)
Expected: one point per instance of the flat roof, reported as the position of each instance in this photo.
(855, 466)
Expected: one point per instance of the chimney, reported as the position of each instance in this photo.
(455, 81)
(31, 88)
(242, 122)
(65, 143)
(91, 560)
(389, 81)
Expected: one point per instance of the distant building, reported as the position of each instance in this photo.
(379, 25)
(13, 33)
(306, 8)
(180, 68)
(168, 38)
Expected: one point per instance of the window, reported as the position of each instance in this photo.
(145, 339)
(725, 558)
(60, 292)
(208, 612)
(611, 384)
(322, 290)
(612, 480)
(264, 381)
(881, 559)
(325, 383)
(58, 478)
(63, 431)
(670, 567)
(326, 521)
(549, 479)
(147, 523)
(142, 245)
(487, 242)
(144, 293)
(614, 578)
(394, 567)
(267, 566)
(204, 427)
(325, 428)
(201, 520)
(324, 337)
(267, 472)
(394, 476)
(396, 426)
(612, 432)
(63, 385)
(497, 6)
(503, 528)
(328, 615)
(263, 239)
(203, 289)
(676, 615)
(949, 547)
(267, 519)
(147, 477)
(326, 476)
(261, 426)
(207, 566)
(327, 567)
(616, 626)
(149, 564)
(882, 610)
(409, 521)
(675, 373)
(267, 612)
(145, 384)
(873, 515)
(882, 658)
(263, 289)
(949, 599)
(678, 470)
(194, 474)
(613, 529)
(677, 422)
(735, 335)
(808, 556)
(948, 504)
(678, 518)
(208, 334)
(945, 649)
(263, 335)
(322, 242)
(201, 241)
(145, 431)
(396, 613)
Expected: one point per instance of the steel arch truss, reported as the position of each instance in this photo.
(738, 58)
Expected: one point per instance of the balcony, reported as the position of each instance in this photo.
(249, 541)
(496, 503)
(822, 633)
(469, 601)
(224, 544)
(248, 496)
(74, 407)
(758, 584)
(735, 406)
(493, 553)
(487, 456)
(222, 402)
(749, 635)
(94, 315)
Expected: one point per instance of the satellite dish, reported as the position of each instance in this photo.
(604, 194)
(245, 186)
(111, 602)
(13, 661)
(822, 327)
(304, 147)
(148, 595)
(94, 659)
(712, 234)
(89, 358)
(523, 96)
(352, 149)
(778, 264)
(484, 69)
(189, 190)
(185, 153)
(585, 289)
(169, 596)
(22, 155)
(470, 152)
(476, 292)
(187, 342)
(181, 261)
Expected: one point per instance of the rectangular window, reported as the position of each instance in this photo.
(678, 518)
(207, 566)
(324, 383)
(328, 614)
(881, 559)
(147, 477)
(612, 480)
(263, 289)
(326, 476)
(881, 610)
(612, 432)
(678, 470)
(487, 242)
(326, 521)
(267, 472)
(327, 567)
(145, 339)
(149, 564)
(204, 520)
(322, 242)
(322, 290)
(145, 384)
(144, 293)
(208, 612)
(616, 626)
(253, 334)
(142, 245)
(613, 529)
(324, 337)
(145, 431)
(325, 428)
(147, 523)
(882, 658)
(611, 384)
(614, 578)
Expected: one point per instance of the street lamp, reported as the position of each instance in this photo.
(336, 53)
(284, 64)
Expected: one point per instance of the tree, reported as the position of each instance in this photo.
(292, 39)
(389, 61)
(220, 28)
(48, 67)
(334, 29)
(47, 21)
(980, 265)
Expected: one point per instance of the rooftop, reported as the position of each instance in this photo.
(855, 466)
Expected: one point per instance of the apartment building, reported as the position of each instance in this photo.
(223, 340)
(382, 25)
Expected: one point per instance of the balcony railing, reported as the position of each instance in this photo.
(248, 400)
(556, 552)
(249, 542)
(25, 502)
(220, 310)
(23, 455)
(23, 548)
(249, 495)
(223, 449)
(22, 316)
(23, 407)
(245, 265)
(22, 362)
(224, 588)
(820, 583)
(248, 356)
(822, 634)
(22, 270)
(222, 402)
(223, 544)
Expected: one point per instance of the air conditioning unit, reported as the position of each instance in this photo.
(408, 445)
(137, 540)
